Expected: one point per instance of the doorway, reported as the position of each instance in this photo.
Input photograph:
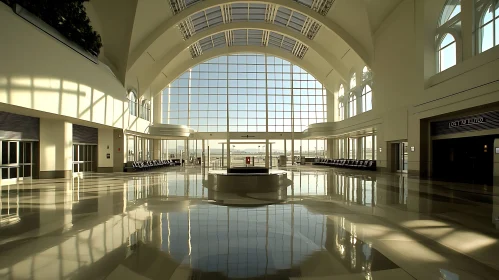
(467, 159)
(16, 160)
(399, 157)
(254, 150)
(26, 160)
(84, 158)
(403, 157)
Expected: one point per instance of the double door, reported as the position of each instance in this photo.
(402, 157)
(16, 160)
(84, 158)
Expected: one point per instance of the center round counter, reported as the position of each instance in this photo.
(247, 182)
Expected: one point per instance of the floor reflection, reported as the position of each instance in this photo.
(170, 225)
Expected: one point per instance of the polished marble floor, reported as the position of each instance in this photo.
(323, 224)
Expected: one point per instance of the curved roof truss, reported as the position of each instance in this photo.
(247, 37)
(248, 12)
(320, 6)
(194, 7)
(211, 39)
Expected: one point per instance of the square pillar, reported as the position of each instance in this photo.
(156, 144)
(330, 148)
(56, 149)
(267, 153)
(105, 161)
(118, 154)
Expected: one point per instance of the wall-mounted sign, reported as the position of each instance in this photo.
(464, 122)
(477, 122)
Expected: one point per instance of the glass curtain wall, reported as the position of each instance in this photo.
(241, 92)
(367, 151)
(352, 148)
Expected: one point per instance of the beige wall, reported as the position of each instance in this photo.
(54, 79)
(56, 145)
(105, 146)
(407, 91)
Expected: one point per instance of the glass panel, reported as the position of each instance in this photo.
(5, 152)
(488, 16)
(22, 148)
(81, 150)
(75, 152)
(89, 153)
(13, 173)
(75, 167)
(27, 152)
(487, 34)
(13, 152)
(27, 171)
(5, 173)
(447, 40)
(448, 57)
(496, 22)
(81, 167)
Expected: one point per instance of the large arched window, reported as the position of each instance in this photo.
(446, 52)
(367, 102)
(353, 81)
(352, 105)
(132, 103)
(366, 74)
(341, 103)
(145, 110)
(489, 26)
(446, 45)
(241, 92)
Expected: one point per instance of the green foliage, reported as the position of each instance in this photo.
(66, 16)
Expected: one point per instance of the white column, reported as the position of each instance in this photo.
(270, 155)
(330, 148)
(156, 144)
(156, 108)
(56, 149)
(105, 146)
(267, 153)
(203, 157)
(223, 151)
(228, 153)
(467, 25)
(285, 152)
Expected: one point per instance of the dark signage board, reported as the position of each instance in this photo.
(484, 121)
(469, 121)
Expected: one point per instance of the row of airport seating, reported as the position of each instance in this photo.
(149, 164)
(348, 163)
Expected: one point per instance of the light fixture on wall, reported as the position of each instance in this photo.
(413, 149)
(380, 150)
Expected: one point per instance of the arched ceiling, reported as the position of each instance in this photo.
(328, 38)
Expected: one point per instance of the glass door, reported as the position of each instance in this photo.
(10, 161)
(84, 158)
(403, 155)
(25, 160)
